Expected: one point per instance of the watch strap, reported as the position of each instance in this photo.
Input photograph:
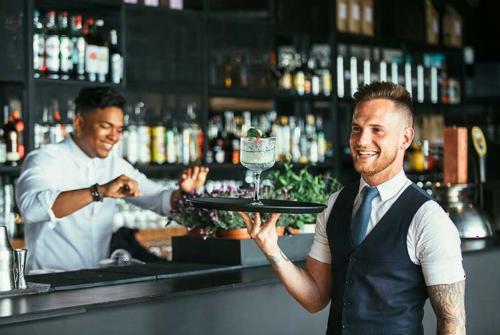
(94, 192)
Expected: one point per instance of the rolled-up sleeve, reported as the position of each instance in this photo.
(320, 249)
(33, 197)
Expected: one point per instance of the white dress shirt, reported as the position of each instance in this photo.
(432, 241)
(82, 239)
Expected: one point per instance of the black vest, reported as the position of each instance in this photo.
(377, 289)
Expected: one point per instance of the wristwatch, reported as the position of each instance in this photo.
(94, 192)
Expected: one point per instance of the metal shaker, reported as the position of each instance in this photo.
(20, 257)
(7, 282)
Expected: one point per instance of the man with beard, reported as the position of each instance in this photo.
(67, 191)
(382, 246)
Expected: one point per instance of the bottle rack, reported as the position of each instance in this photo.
(168, 54)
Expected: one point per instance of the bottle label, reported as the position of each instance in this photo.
(116, 68)
(103, 60)
(79, 55)
(66, 52)
(52, 53)
(38, 49)
(91, 59)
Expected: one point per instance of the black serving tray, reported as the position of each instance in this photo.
(269, 206)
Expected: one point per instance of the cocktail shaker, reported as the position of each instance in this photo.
(20, 257)
(7, 282)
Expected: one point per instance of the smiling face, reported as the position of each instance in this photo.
(98, 131)
(380, 134)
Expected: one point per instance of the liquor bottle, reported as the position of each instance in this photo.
(143, 135)
(171, 143)
(354, 76)
(131, 138)
(52, 60)
(103, 54)
(408, 75)
(321, 138)
(79, 45)
(218, 148)
(312, 64)
(65, 46)
(115, 59)
(311, 139)
(15, 107)
(91, 51)
(229, 135)
(299, 76)
(11, 138)
(295, 139)
(158, 144)
(38, 46)
(340, 75)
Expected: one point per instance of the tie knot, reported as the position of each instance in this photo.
(370, 192)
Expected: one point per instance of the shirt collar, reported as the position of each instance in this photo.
(389, 188)
(79, 156)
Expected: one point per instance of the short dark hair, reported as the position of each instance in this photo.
(92, 98)
(386, 90)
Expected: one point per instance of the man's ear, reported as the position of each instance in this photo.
(78, 122)
(407, 137)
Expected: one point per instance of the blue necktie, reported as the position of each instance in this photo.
(362, 217)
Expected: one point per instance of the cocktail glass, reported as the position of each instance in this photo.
(257, 154)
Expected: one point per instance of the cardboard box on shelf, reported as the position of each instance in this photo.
(452, 27)
(367, 17)
(354, 16)
(432, 23)
(342, 13)
(455, 155)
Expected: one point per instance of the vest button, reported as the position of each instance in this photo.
(348, 282)
(346, 325)
(347, 303)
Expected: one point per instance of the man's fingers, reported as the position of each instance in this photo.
(196, 172)
(271, 223)
(247, 220)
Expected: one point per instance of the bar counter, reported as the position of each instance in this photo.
(230, 300)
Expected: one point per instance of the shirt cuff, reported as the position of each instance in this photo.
(443, 273)
(53, 219)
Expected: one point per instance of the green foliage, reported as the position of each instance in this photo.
(279, 184)
(300, 186)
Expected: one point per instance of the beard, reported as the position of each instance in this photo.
(382, 161)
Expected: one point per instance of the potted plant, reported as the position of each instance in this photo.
(299, 186)
(285, 185)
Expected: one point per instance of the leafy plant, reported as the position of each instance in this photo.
(300, 186)
(279, 184)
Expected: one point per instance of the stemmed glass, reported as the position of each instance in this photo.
(257, 154)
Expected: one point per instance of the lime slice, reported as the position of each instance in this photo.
(254, 132)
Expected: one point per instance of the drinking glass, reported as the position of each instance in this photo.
(257, 154)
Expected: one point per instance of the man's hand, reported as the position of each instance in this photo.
(120, 187)
(264, 234)
(193, 178)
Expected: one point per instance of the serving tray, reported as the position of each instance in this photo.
(269, 206)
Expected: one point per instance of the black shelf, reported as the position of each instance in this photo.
(370, 41)
(161, 9)
(266, 94)
(10, 170)
(73, 83)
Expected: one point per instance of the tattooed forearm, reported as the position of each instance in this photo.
(277, 260)
(448, 304)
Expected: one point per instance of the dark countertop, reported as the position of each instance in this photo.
(147, 288)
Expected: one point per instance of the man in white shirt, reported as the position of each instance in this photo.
(382, 246)
(67, 191)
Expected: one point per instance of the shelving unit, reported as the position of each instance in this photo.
(167, 55)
